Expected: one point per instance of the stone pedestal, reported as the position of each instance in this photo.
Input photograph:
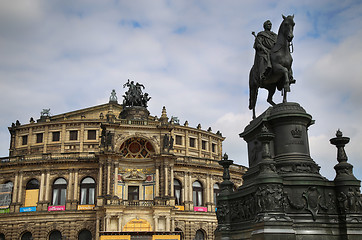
(134, 113)
(283, 195)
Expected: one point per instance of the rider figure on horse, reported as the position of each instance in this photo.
(264, 41)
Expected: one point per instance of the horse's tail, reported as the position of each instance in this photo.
(253, 89)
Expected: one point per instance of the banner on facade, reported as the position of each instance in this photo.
(86, 207)
(27, 209)
(166, 237)
(56, 208)
(4, 210)
(200, 209)
(115, 237)
(180, 208)
(31, 197)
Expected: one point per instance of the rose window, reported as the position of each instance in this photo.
(136, 148)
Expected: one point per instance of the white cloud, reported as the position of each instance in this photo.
(69, 55)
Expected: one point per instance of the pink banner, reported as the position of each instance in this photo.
(200, 209)
(56, 208)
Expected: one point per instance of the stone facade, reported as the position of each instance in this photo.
(99, 171)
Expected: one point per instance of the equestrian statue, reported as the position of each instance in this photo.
(272, 67)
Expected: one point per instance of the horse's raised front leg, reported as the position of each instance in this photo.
(291, 78)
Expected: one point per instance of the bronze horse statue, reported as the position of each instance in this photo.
(280, 76)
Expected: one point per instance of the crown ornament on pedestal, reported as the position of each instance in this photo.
(296, 133)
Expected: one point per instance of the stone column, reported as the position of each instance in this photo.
(190, 188)
(97, 228)
(157, 186)
(208, 193)
(115, 179)
(76, 196)
(20, 191)
(70, 185)
(15, 187)
(81, 138)
(62, 138)
(47, 186)
(40, 205)
(184, 189)
(199, 144)
(106, 223)
(166, 180)
(120, 222)
(100, 177)
(168, 223)
(99, 186)
(155, 219)
(171, 180)
(69, 191)
(108, 178)
(45, 140)
(172, 224)
(15, 191)
(41, 190)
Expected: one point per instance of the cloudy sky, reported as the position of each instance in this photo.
(193, 57)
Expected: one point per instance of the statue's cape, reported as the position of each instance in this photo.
(268, 34)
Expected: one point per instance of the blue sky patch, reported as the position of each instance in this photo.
(180, 30)
(130, 23)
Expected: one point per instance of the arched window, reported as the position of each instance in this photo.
(55, 235)
(85, 235)
(27, 236)
(87, 191)
(199, 235)
(31, 193)
(177, 191)
(181, 233)
(216, 191)
(6, 191)
(59, 192)
(197, 193)
(2, 236)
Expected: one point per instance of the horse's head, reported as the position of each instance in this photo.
(287, 27)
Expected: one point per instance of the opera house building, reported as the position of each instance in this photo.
(111, 171)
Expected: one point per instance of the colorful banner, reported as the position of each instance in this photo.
(200, 209)
(164, 237)
(28, 209)
(180, 208)
(115, 237)
(86, 207)
(5, 210)
(56, 208)
(31, 197)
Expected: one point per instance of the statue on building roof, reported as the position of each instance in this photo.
(135, 96)
(45, 113)
(113, 97)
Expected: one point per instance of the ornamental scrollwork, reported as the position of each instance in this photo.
(269, 197)
(350, 201)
